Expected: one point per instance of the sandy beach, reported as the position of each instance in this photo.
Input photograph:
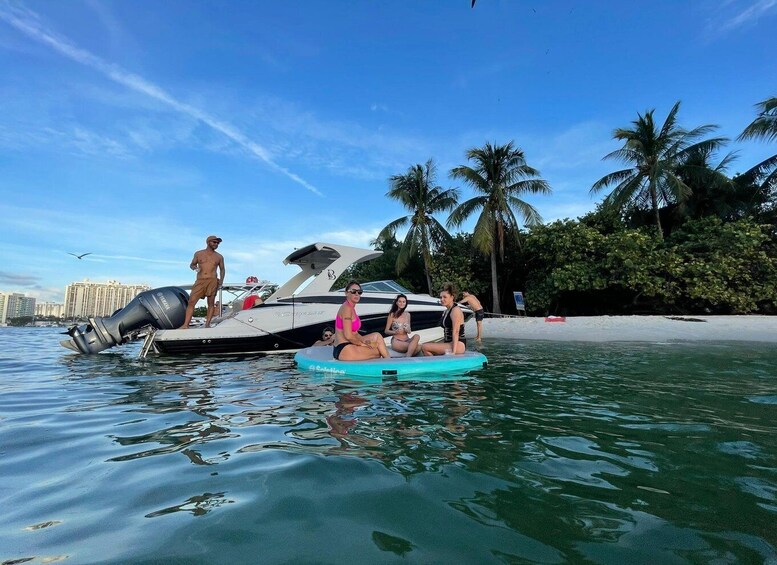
(633, 328)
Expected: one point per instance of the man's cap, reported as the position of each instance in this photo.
(211, 238)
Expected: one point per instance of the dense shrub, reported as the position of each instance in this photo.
(705, 266)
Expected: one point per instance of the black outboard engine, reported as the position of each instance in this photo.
(164, 308)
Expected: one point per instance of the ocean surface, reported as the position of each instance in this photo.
(556, 453)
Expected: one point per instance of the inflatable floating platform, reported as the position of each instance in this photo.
(320, 360)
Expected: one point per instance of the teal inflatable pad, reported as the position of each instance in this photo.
(320, 360)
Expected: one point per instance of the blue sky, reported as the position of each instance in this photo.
(132, 130)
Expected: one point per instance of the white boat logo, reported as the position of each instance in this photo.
(300, 313)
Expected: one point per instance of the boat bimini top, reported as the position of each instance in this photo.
(325, 262)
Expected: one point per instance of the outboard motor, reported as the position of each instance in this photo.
(164, 308)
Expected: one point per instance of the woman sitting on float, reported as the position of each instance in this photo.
(452, 322)
(349, 345)
(398, 327)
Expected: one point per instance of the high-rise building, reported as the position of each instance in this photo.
(88, 298)
(15, 305)
(50, 309)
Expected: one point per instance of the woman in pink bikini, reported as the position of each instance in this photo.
(349, 345)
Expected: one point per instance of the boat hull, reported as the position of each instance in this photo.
(291, 325)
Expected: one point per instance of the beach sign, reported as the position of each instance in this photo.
(520, 305)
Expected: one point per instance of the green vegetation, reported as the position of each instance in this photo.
(677, 233)
(200, 312)
(708, 266)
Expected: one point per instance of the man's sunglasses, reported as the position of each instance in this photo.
(359, 292)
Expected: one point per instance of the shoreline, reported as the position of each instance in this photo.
(599, 329)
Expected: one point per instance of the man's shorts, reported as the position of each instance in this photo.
(479, 315)
(203, 288)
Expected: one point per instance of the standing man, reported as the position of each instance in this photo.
(474, 304)
(206, 262)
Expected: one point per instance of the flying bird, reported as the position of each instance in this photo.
(79, 256)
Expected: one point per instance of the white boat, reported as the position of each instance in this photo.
(296, 313)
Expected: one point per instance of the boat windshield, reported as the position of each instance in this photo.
(392, 287)
(232, 296)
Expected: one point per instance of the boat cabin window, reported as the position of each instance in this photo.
(382, 286)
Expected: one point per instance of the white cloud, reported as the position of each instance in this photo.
(29, 23)
(343, 147)
(735, 14)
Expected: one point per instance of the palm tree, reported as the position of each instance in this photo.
(654, 156)
(500, 175)
(713, 192)
(417, 192)
(764, 127)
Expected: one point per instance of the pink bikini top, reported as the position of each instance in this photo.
(356, 323)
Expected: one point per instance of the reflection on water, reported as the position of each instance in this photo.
(555, 453)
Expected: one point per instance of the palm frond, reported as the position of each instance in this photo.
(532, 186)
(763, 169)
(409, 248)
(483, 234)
(530, 215)
(618, 177)
(471, 177)
(391, 229)
(707, 146)
(437, 232)
(624, 154)
(443, 200)
(678, 191)
(465, 210)
(670, 123)
(625, 191)
(764, 127)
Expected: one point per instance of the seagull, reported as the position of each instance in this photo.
(79, 256)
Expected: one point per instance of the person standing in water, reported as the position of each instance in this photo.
(209, 265)
(349, 345)
(474, 304)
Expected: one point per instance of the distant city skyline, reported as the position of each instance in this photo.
(133, 130)
(89, 298)
(50, 309)
(15, 305)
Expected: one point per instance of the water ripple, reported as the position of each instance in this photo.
(556, 453)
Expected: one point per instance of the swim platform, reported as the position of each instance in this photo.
(320, 360)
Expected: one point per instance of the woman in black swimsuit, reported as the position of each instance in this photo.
(452, 323)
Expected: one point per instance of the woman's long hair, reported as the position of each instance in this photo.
(395, 310)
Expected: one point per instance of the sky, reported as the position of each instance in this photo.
(133, 130)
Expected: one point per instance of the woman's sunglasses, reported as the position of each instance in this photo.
(359, 292)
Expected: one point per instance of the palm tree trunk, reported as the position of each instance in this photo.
(496, 309)
(654, 200)
(426, 252)
(427, 268)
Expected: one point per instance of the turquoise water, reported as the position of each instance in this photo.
(585, 453)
